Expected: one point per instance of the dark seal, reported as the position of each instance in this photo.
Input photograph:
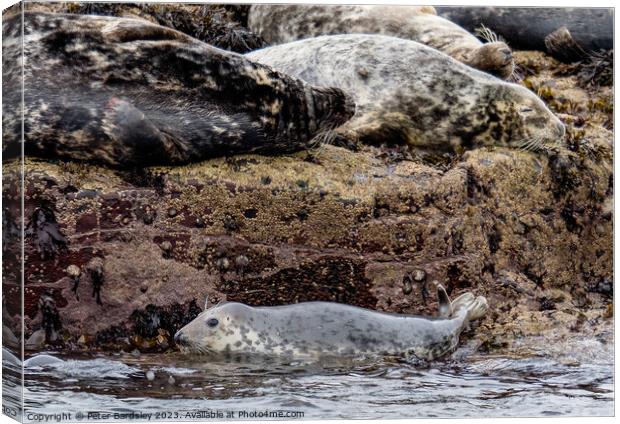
(564, 32)
(126, 93)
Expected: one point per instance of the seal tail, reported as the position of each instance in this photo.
(474, 307)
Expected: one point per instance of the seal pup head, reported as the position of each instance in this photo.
(494, 58)
(528, 123)
(504, 114)
(223, 329)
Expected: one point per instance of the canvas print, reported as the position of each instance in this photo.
(301, 211)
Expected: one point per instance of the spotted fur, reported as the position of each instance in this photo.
(315, 329)
(407, 92)
(126, 92)
(285, 23)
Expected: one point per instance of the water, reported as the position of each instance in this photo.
(174, 387)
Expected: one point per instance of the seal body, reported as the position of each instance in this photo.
(406, 92)
(126, 92)
(529, 27)
(315, 329)
(286, 23)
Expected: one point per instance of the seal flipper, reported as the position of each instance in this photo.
(445, 306)
(138, 141)
(474, 307)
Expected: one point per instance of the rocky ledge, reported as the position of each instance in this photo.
(121, 260)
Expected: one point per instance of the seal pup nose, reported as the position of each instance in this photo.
(181, 339)
(507, 54)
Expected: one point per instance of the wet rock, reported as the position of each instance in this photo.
(241, 263)
(74, 272)
(407, 286)
(418, 275)
(166, 249)
(50, 317)
(149, 217)
(95, 271)
(223, 264)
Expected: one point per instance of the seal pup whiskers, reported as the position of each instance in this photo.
(406, 92)
(316, 329)
(128, 93)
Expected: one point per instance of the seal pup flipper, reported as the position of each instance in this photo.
(474, 307)
(445, 305)
(137, 138)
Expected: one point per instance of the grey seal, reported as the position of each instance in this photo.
(285, 23)
(409, 93)
(318, 329)
(128, 93)
(565, 32)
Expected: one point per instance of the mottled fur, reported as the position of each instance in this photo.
(125, 92)
(315, 329)
(286, 23)
(407, 92)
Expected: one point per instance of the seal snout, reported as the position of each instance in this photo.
(507, 55)
(181, 339)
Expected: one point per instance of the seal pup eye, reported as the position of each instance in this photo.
(527, 109)
(212, 322)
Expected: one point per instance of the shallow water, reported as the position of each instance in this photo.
(173, 387)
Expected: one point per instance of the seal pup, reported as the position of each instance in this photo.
(129, 93)
(406, 92)
(566, 33)
(285, 23)
(315, 329)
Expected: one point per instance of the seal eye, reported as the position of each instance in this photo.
(212, 322)
(527, 109)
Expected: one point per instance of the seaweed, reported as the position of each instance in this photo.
(45, 231)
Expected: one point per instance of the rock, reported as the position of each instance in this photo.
(36, 341)
(418, 275)
(73, 271)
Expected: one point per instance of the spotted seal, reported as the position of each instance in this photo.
(409, 93)
(286, 23)
(126, 92)
(567, 33)
(315, 329)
